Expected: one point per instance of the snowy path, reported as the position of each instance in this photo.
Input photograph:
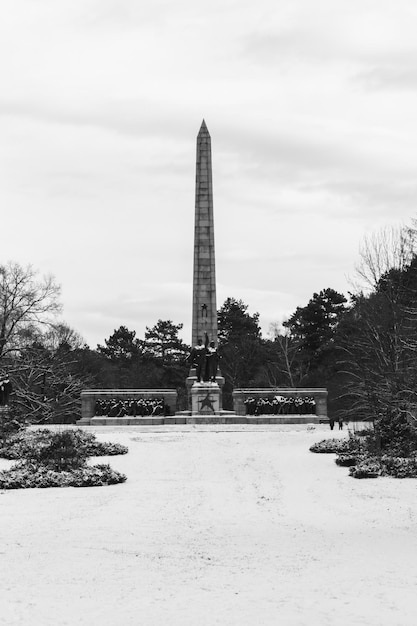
(237, 527)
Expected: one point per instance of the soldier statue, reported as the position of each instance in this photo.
(198, 360)
(212, 362)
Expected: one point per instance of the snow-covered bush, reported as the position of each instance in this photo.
(26, 475)
(366, 468)
(347, 460)
(29, 443)
(57, 459)
(333, 446)
(399, 467)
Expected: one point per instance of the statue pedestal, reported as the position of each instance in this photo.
(191, 381)
(205, 404)
(205, 399)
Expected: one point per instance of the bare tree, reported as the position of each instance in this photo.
(285, 364)
(27, 303)
(61, 335)
(45, 389)
(384, 250)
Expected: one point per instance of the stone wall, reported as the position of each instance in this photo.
(90, 396)
(319, 395)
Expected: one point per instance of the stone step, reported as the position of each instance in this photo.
(202, 419)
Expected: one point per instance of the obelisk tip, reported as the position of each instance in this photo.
(203, 129)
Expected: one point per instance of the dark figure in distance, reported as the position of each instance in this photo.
(5, 390)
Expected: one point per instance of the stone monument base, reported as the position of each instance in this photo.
(205, 399)
(206, 403)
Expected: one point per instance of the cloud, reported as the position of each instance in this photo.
(100, 106)
(338, 172)
(292, 153)
(136, 309)
(401, 76)
(132, 117)
(378, 195)
(288, 45)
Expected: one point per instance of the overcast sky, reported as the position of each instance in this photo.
(311, 107)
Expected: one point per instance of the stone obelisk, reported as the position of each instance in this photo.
(204, 278)
(204, 393)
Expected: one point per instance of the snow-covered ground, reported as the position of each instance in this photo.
(215, 525)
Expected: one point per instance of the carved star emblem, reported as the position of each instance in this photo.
(207, 402)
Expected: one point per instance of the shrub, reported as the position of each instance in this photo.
(329, 446)
(399, 467)
(362, 452)
(366, 468)
(27, 475)
(57, 459)
(28, 444)
(336, 446)
(347, 460)
(93, 447)
(60, 452)
(365, 432)
(398, 437)
(96, 476)
(10, 424)
(101, 448)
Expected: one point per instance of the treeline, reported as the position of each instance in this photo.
(361, 347)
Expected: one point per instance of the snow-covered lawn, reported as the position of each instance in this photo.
(215, 525)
